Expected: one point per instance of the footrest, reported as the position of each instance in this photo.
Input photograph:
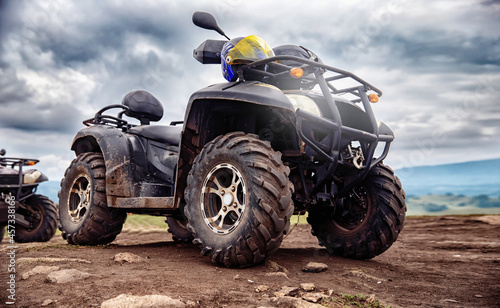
(141, 202)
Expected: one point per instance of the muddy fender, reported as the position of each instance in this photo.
(115, 147)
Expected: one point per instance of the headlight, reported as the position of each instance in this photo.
(304, 103)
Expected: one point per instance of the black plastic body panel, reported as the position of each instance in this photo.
(135, 166)
(222, 108)
(254, 92)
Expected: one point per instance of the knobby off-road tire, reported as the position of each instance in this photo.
(371, 219)
(2, 232)
(85, 216)
(42, 213)
(239, 200)
(179, 230)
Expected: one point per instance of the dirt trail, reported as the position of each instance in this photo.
(437, 262)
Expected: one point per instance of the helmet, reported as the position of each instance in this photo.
(242, 50)
(297, 51)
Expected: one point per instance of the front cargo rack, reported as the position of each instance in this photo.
(337, 82)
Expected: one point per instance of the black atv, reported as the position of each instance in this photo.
(29, 217)
(248, 155)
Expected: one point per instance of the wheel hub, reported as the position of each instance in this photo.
(79, 199)
(223, 198)
(227, 199)
(354, 212)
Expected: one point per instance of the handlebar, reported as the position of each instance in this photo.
(108, 119)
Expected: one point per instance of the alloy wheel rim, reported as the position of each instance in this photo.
(79, 199)
(355, 210)
(223, 198)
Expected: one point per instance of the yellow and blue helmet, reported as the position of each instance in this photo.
(242, 50)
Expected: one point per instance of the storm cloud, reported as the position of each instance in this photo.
(437, 63)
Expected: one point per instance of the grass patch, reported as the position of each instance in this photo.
(301, 219)
(135, 221)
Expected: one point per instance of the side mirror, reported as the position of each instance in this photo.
(2, 152)
(207, 21)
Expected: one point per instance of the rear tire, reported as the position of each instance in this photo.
(179, 230)
(43, 216)
(2, 232)
(239, 200)
(370, 221)
(85, 216)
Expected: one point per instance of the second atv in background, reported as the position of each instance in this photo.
(285, 134)
(30, 217)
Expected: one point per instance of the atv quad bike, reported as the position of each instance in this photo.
(30, 217)
(286, 136)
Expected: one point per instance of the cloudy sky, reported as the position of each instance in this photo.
(437, 62)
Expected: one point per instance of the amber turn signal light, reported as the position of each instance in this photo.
(31, 163)
(373, 98)
(296, 72)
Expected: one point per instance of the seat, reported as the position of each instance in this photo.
(161, 133)
(143, 106)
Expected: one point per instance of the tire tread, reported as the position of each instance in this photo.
(103, 224)
(272, 211)
(388, 220)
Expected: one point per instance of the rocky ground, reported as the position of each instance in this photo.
(437, 262)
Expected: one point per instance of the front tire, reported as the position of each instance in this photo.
(85, 216)
(369, 221)
(41, 212)
(239, 200)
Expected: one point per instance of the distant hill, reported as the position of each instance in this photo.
(452, 205)
(469, 179)
(49, 189)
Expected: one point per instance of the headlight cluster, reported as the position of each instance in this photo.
(305, 103)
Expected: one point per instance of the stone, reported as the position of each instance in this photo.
(288, 301)
(261, 288)
(450, 301)
(371, 299)
(315, 267)
(285, 291)
(51, 260)
(132, 301)
(48, 302)
(313, 297)
(307, 286)
(190, 303)
(127, 257)
(277, 274)
(40, 269)
(276, 267)
(363, 275)
(66, 275)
